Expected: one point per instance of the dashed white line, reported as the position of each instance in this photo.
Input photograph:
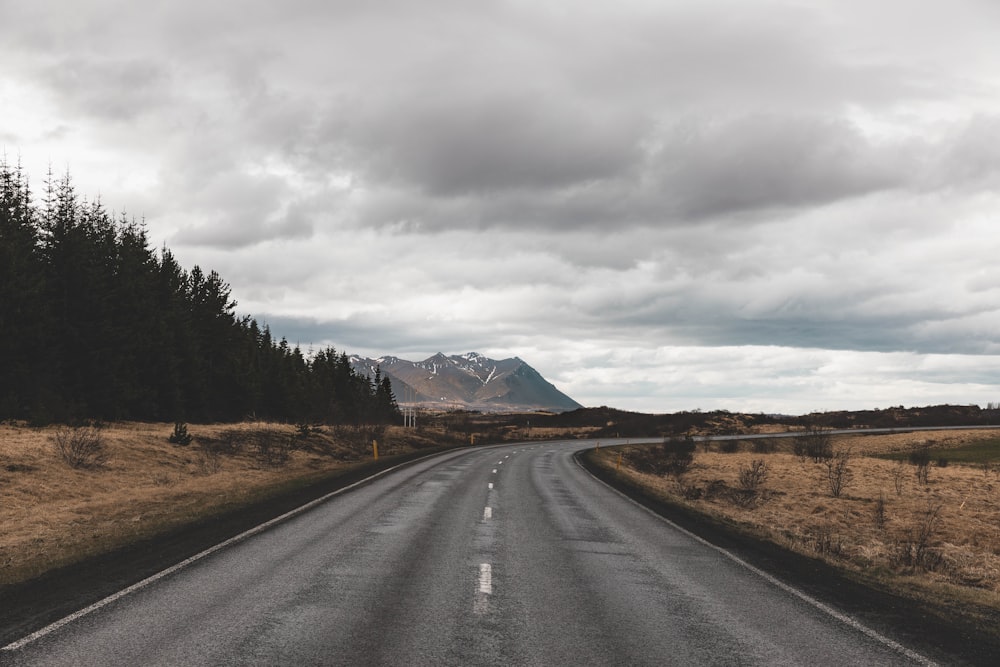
(494, 471)
(491, 485)
(487, 513)
(484, 589)
(486, 578)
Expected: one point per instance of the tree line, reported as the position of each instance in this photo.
(94, 324)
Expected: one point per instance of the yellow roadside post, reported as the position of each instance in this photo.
(375, 448)
(597, 448)
(619, 466)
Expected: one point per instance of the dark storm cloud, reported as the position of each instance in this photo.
(768, 161)
(699, 168)
(498, 143)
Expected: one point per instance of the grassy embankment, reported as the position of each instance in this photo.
(52, 514)
(936, 539)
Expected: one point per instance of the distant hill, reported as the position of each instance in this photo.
(469, 381)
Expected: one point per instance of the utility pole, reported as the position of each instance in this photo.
(410, 411)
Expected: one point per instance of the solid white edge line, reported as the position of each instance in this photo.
(48, 629)
(843, 618)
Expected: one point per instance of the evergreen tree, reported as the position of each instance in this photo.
(21, 322)
(94, 324)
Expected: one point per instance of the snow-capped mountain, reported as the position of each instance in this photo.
(468, 381)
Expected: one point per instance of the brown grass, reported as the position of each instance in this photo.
(52, 514)
(959, 556)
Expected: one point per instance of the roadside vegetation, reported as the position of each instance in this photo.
(918, 512)
(67, 493)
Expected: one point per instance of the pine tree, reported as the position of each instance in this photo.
(21, 306)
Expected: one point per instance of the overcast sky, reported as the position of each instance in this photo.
(660, 205)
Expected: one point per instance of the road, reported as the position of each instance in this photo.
(510, 555)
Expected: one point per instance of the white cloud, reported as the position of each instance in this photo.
(758, 205)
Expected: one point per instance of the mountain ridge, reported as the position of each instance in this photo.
(467, 381)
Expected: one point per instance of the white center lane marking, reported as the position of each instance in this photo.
(494, 471)
(484, 588)
(491, 485)
(488, 513)
(486, 578)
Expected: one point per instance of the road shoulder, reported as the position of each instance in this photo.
(938, 630)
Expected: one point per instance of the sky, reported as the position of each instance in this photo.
(751, 205)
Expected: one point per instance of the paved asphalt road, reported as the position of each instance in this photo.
(507, 555)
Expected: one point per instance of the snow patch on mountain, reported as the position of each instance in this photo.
(468, 381)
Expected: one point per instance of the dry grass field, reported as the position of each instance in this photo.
(52, 514)
(935, 538)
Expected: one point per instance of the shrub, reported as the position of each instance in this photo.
(838, 474)
(751, 479)
(729, 446)
(180, 436)
(816, 444)
(753, 476)
(825, 541)
(81, 447)
(673, 457)
(915, 549)
(921, 458)
(678, 454)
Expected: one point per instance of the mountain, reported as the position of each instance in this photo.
(468, 381)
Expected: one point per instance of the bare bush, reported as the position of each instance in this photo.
(81, 447)
(673, 457)
(838, 473)
(915, 549)
(816, 444)
(751, 481)
(921, 458)
(825, 541)
(753, 476)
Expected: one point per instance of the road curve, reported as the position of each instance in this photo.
(508, 555)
